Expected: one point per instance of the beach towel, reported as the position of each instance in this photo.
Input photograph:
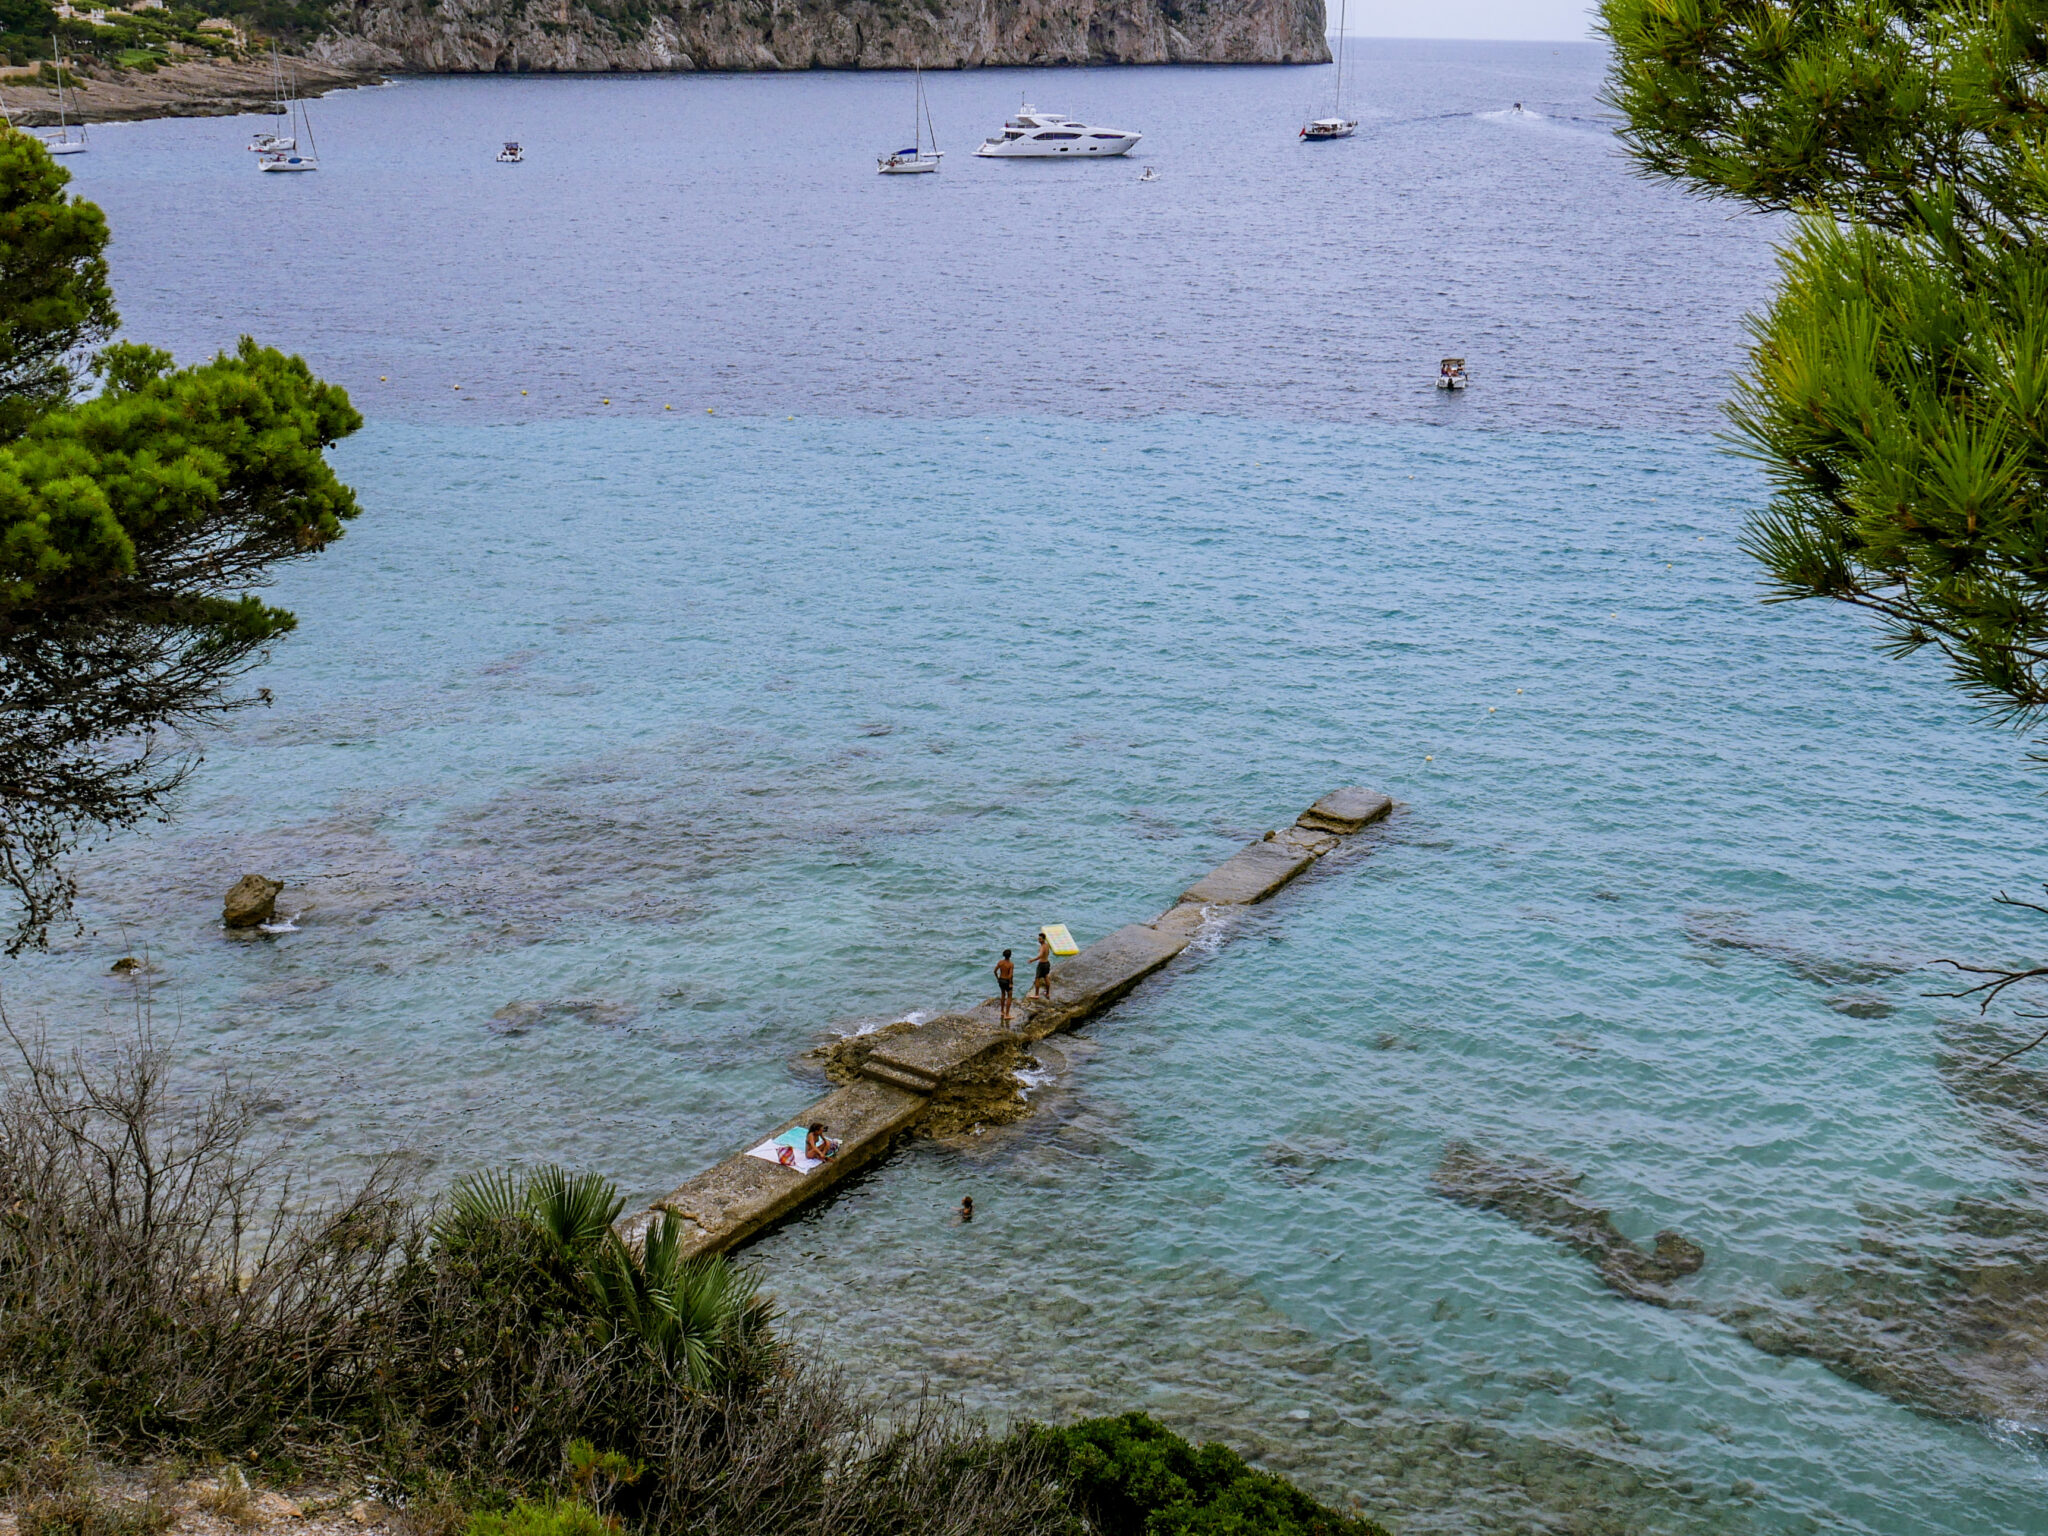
(787, 1150)
(1062, 941)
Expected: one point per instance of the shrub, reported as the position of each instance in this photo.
(1132, 1476)
(87, 1513)
(550, 1517)
(504, 1351)
(42, 1446)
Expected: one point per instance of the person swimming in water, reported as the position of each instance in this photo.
(1006, 978)
(1041, 985)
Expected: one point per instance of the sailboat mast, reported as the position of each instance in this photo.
(57, 61)
(1343, 13)
(917, 111)
(305, 117)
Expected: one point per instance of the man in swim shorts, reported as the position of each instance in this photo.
(1041, 984)
(1006, 977)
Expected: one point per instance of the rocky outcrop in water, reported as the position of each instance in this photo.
(250, 901)
(508, 36)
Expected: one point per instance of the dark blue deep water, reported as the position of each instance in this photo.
(818, 580)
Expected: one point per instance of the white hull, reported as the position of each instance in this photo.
(65, 146)
(271, 144)
(1032, 149)
(1328, 128)
(291, 163)
(1450, 383)
(908, 165)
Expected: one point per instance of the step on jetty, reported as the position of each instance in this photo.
(906, 1073)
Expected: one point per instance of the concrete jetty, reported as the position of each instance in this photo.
(907, 1073)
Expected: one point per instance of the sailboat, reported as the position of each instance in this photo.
(63, 143)
(288, 156)
(279, 137)
(1336, 125)
(916, 159)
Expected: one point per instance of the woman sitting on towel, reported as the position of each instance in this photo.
(818, 1146)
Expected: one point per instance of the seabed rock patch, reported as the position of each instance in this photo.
(1543, 1198)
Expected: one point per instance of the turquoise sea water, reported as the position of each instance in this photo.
(623, 755)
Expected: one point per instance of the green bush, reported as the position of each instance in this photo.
(88, 1513)
(549, 1517)
(1132, 1476)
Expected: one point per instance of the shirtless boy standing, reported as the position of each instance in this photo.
(1006, 977)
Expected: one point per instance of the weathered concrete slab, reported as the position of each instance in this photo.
(1252, 875)
(925, 1055)
(1103, 972)
(1347, 810)
(743, 1195)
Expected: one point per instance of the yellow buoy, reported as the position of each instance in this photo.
(668, 407)
(607, 402)
(709, 412)
(522, 391)
(382, 380)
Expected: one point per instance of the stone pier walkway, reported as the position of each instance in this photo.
(903, 1074)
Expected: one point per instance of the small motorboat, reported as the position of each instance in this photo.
(1450, 374)
(511, 154)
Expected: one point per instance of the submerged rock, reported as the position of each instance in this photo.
(519, 1017)
(250, 900)
(1543, 1198)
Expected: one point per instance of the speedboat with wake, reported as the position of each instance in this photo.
(1037, 135)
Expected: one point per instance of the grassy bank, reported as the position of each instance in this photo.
(495, 1362)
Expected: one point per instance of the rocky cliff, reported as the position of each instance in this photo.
(491, 36)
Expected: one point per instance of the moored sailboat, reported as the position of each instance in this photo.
(280, 137)
(62, 143)
(916, 160)
(287, 156)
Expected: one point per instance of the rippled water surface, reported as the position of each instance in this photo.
(1054, 535)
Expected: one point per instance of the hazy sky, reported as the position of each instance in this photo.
(1546, 19)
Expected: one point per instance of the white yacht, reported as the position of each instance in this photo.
(1045, 135)
(511, 154)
